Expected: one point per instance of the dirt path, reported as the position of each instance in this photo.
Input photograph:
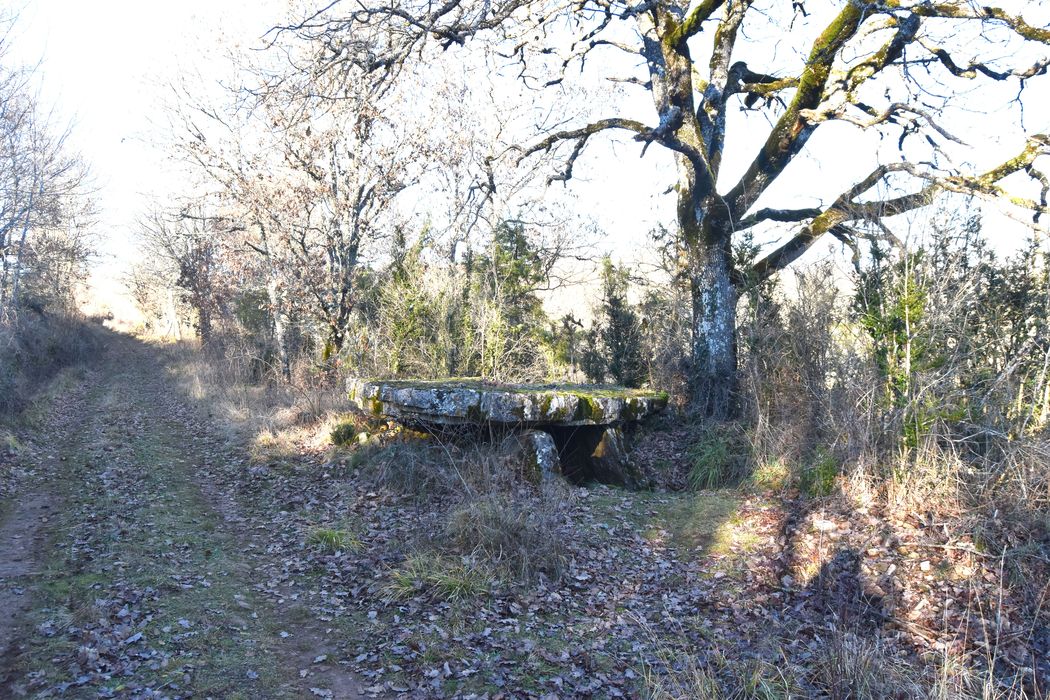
(128, 569)
(21, 535)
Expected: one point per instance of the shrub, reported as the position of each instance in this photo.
(771, 475)
(344, 434)
(818, 476)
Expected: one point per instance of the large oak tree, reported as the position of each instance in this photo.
(885, 66)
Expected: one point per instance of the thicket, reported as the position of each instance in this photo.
(480, 316)
(418, 314)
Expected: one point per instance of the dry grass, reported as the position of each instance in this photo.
(521, 534)
(276, 420)
(33, 348)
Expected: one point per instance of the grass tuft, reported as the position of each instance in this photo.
(329, 540)
(719, 458)
(444, 577)
(520, 534)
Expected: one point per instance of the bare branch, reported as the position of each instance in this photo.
(783, 215)
(846, 208)
(791, 131)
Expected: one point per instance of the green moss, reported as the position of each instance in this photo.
(590, 409)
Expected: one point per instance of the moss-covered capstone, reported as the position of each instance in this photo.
(554, 429)
(474, 401)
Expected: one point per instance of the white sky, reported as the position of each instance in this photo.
(105, 66)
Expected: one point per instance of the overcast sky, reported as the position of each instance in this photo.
(105, 66)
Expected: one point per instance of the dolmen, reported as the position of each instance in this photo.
(560, 429)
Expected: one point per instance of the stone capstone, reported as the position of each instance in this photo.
(451, 402)
(575, 430)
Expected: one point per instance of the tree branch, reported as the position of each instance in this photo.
(791, 131)
(968, 11)
(783, 215)
(693, 21)
(846, 208)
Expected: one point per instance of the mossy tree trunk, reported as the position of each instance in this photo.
(704, 221)
(713, 351)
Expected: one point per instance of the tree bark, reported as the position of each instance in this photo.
(280, 329)
(714, 299)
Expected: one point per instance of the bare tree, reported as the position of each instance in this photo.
(882, 66)
(186, 240)
(306, 186)
(44, 206)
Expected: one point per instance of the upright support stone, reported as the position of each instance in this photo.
(610, 462)
(537, 452)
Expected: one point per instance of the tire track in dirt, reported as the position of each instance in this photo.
(26, 524)
(141, 504)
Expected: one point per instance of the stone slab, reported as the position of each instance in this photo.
(476, 402)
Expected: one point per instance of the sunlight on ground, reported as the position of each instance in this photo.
(702, 520)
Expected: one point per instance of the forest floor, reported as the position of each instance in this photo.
(145, 553)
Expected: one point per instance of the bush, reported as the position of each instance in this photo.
(348, 430)
(818, 476)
